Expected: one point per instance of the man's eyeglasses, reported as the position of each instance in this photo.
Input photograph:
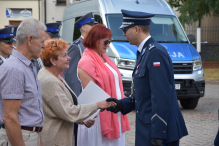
(126, 28)
(107, 42)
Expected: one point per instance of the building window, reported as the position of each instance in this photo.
(61, 2)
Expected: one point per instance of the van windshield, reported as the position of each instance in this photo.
(164, 29)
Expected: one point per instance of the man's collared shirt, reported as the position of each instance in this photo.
(18, 80)
(142, 43)
(3, 59)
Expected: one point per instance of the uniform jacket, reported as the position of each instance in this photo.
(60, 112)
(71, 74)
(157, 110)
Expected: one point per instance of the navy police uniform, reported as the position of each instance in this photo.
(6, 35)
(158, 115)
(216, 141)
(75, 52)
(53, 30)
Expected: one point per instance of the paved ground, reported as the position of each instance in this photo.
(202, 122)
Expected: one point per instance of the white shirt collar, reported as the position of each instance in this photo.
(142, 43)
(3, 59)
(82, 37)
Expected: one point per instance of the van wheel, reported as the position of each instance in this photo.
(189, 103)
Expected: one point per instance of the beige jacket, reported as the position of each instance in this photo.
(60, 112)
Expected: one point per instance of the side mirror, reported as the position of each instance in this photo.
(191, 38)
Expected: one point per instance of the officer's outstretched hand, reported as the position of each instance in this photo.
(115, 109)
(156, 142)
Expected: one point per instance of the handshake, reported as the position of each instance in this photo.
(111, 104)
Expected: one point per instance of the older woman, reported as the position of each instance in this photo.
(59, 101)
(109, 128)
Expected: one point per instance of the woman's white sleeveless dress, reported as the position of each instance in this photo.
(92, 136)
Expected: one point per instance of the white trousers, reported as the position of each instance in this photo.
(30, 138)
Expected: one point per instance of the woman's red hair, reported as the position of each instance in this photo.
(96, 33)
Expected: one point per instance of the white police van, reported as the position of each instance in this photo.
(165, 29)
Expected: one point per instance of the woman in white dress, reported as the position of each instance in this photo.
(109, 128)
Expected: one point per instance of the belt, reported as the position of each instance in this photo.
(34, 129)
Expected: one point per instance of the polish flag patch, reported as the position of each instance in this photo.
(156, 64)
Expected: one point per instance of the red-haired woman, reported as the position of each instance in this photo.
(109, 128)
(59, 101)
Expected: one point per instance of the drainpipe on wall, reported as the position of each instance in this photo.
(45, 10)
(39, 8)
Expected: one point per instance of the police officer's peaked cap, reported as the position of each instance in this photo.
(86, 19)
(7, 34)
(53, 28)
(15, 30)
(135, 18)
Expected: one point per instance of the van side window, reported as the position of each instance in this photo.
(77, 32)
(98, 19)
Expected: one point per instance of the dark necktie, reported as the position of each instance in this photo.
(138, 53)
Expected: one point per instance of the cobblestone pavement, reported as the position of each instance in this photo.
(202, 122)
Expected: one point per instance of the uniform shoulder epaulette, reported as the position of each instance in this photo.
(151, 46)
(77, 41)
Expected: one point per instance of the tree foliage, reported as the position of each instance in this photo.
(194, 10)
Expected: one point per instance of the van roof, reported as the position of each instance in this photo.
(149, 6)
(115, 6)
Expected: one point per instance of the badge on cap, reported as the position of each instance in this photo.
(12, 30)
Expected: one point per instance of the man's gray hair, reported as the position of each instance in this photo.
(29, 27)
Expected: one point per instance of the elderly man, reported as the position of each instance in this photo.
(159, 120)
(21, 111)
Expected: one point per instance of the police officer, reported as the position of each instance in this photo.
(159, 120)
(75, 51)
(6, 43)
(52, 32)
(6, 47)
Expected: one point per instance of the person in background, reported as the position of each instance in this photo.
(6, 43)
(109, 128)
(52, 32)
(6, 47)
(60, 104)
(159, 120)
(76, 50)
(21, 88)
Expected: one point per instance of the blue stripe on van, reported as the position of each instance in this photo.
(177, 51)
